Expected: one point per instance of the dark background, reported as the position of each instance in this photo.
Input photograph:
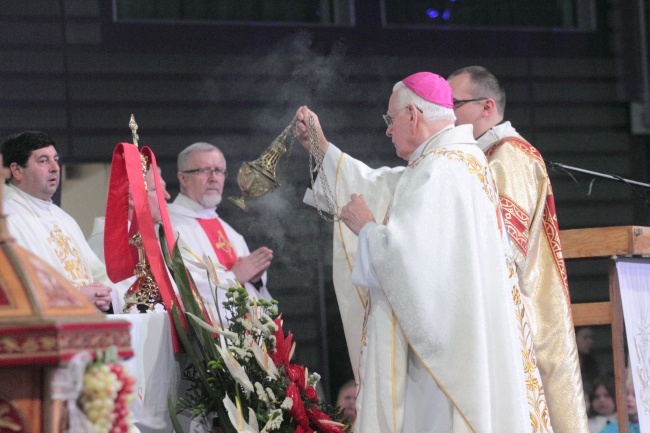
(234, 73)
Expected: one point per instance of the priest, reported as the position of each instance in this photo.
(438, 336)
(42, 227)
(529, 209)
(202, 175)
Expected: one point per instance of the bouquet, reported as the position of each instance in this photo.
(241, 373)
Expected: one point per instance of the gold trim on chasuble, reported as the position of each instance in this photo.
(539, 418)
(552, 232)
(364, 303)
(535, 392)
(550, 225)
(69, 257)
(517, 222)
(473, 167)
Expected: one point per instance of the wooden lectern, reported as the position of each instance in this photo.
(607, 242)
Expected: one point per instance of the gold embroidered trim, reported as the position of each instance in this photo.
(392, 370)
(365, 304)
(474, 166)
(539, 418)
(69, 257)
(517, 222)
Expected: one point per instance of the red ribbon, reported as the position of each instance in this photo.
(121, 257)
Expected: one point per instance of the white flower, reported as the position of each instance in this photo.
(248, 340)
(274, 422)
(262, 358)
(242, 353)
(206, 264)
(313, 379)
(235, 369)
(232, 336)
(245, 323)
(287, 404)
(270, 393)
(269, 323)
(253, 312)
(260, 392)
(237, 419)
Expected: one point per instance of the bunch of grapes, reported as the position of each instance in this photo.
(105, 398)
(124, 398)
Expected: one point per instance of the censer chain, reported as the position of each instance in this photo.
(316, 157)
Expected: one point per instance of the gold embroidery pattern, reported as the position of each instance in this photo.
(223, 244)
(539, 418)
(55, 343)
(474, 166)
(517, 222)
(521, 144)
(364, 339)
(553, 236)
(69, 257)
(641, 339)
(27, 345)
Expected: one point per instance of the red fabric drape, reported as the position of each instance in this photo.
(121, 257)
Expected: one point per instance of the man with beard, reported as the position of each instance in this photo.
(42, 227)
(202, 174)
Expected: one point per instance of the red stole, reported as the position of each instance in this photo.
(219, 241)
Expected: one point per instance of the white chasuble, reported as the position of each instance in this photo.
(183, 214)
(448, 305)
(45, 230)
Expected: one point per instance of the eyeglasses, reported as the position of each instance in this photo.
(460, 102)
(207, 171)
(389, 119)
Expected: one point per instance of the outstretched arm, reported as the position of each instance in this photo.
(302, 129)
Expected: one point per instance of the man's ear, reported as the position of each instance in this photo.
(489, 108)
(181, 179)
(16, 171)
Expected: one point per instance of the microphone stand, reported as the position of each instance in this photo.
(566, 168)
(561, 167)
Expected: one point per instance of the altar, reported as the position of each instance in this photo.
(155, 369)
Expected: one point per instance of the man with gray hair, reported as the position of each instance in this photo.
(202, 174)
(529, 213)
(427, 290)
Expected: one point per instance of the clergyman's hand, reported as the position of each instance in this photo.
(302, 129)
(356, 214)
(98, 294)
(250, 268)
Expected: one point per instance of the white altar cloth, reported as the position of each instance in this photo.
(155, 369)
(634, 284)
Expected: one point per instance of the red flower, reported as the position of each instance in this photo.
(310, 392)
(298, 409)
(282, 345)
(301, 429)
(296, 373)
(321, 419)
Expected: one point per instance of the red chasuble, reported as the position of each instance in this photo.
(219, 241)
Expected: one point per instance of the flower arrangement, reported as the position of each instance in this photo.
(241, 373)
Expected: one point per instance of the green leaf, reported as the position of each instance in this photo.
(172, 414)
